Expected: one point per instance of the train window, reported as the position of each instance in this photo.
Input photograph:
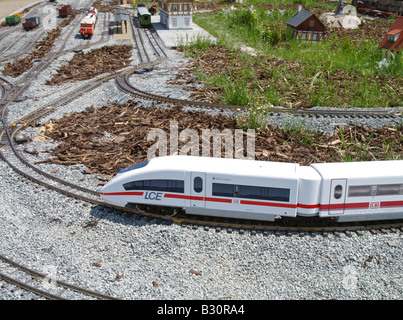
(338, 191)
(156, 185)
(251, 192)
(389, 189)
(198, 184)
(277, 194)
(375, 190)
(359, 191)
(223, 190)
(134, 166)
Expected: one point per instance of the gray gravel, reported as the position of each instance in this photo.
(136, 259)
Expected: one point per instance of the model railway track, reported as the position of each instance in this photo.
(5, 87)
(10, 44)
(31, 74)
(24, 168)
(29, 45)
(15, 160)
(143, 53)
(124, 84)
(152, 39)
(10, 154)
(33, 281)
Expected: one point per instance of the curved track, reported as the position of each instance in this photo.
(33, 281)
(123, 82)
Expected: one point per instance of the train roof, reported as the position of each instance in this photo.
(88, 19)
(143, 10)
(356, 170)
(225, 166)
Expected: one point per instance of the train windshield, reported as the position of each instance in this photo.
(134, 167)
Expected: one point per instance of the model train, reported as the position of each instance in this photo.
(13, 19)
(31, 23)
(261, 190)
(87, 25)
(385, 8)
(144, 16)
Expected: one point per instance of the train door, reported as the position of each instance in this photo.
(337, 196)
(197, 189)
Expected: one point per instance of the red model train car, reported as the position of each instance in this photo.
(64, 11)
(87, 25)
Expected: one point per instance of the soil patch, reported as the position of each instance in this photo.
(85, 66)
(295, 88)
(21, 65)
(113, 137)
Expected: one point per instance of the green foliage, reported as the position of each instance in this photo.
(336, 72)
(259, 24)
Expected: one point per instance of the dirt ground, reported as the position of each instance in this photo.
(8, 7)
(115, 136)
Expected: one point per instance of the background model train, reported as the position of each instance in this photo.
(379, 7)
(31, 22)
(13, 19)
(87, 25)
(261, 190)
(144, 16)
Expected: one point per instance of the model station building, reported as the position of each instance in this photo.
(305, 26)
(176, 14)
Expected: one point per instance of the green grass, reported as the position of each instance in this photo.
(335, 72)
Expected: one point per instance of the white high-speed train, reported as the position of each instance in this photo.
(260, 190)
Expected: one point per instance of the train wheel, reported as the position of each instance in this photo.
(169, 211)
(141, 207)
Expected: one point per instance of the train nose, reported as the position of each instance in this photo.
(109, 195)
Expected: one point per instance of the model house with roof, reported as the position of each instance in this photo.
(305, 26)
(393, 40)
(176, 14)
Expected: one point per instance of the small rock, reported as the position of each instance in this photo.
(20, 139)
(393, 243)
(197, 273)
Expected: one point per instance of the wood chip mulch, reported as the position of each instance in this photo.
(113, 137)
(88, 65)
(21, 65)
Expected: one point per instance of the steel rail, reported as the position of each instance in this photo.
(124, 84)
(142, 52)
(158, 50)
(42, 276)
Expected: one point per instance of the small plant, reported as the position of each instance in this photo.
(297, 129)
(256, 117)
(355, 150)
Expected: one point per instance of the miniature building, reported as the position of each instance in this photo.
(121, 21)
(305, 26)
(176, 14)
(121, 2)
(393, 40)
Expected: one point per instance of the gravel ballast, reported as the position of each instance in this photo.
(47, 231)
(138, 259)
